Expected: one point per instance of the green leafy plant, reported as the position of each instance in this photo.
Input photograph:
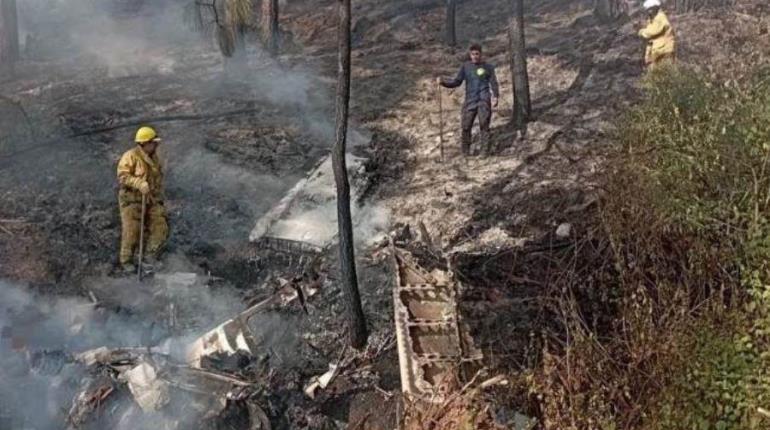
(686, 219)
(699, 151)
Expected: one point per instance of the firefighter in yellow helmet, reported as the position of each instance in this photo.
(661, 45)
(140, 174)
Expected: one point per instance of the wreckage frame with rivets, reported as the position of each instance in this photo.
(435, 349)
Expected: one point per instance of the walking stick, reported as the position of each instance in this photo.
(645, 44)
(440, 123)
(141, 237)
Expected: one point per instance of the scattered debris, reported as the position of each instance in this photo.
(234, 334)
(564, 230)
(229, 337)
(115, 357)
(149, 391)
(288, 246)
(90, 400)
(322, 381)
(491, 382)
(155, 383)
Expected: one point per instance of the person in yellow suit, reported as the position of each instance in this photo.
(661, 45)
(140, 173)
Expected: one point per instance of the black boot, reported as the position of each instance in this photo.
(153, 263)
(128, 269)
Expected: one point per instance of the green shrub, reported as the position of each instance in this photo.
(688, 214)
(681, 254)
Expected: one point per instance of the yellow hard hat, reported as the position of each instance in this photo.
(146, 134)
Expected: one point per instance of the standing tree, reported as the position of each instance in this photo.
(609, 10)
(9, 36)
(227, 19)
(356, 323)
(13, 27)
(451, 34)
(522, 107)
(270, 25)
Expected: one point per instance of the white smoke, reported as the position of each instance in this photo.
(39, 332)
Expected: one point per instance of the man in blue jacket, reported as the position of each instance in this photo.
(481, 94)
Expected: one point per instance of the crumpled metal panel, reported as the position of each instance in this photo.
(436, 352)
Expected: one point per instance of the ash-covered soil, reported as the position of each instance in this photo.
(583, 74)
(237, 139)
(233, 145)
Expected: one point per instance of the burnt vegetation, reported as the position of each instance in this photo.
(335, 262)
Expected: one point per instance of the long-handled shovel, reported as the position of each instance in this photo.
(141, 237)
(440, 122)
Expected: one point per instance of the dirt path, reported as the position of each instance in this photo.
(582, 73)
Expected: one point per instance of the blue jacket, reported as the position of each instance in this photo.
(480, 82)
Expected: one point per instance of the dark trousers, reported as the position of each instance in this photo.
(484, 111)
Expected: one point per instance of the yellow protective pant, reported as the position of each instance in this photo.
(156, 229)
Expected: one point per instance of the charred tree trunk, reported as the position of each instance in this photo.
(354, 317)
(522, 107)
(9, 37)
(6, 57)
(224, 33)
(13, 27)
(270, 25)
(451, 34)
(608, 10)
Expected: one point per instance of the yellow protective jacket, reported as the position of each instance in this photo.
(135, 167)
(659, 36)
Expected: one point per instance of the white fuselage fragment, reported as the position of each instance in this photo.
(308, 212)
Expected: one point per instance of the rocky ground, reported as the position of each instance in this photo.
(236, 141)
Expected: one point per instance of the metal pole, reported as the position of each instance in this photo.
(141, 237)
(440, 122)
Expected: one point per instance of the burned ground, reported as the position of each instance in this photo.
(236, 142)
